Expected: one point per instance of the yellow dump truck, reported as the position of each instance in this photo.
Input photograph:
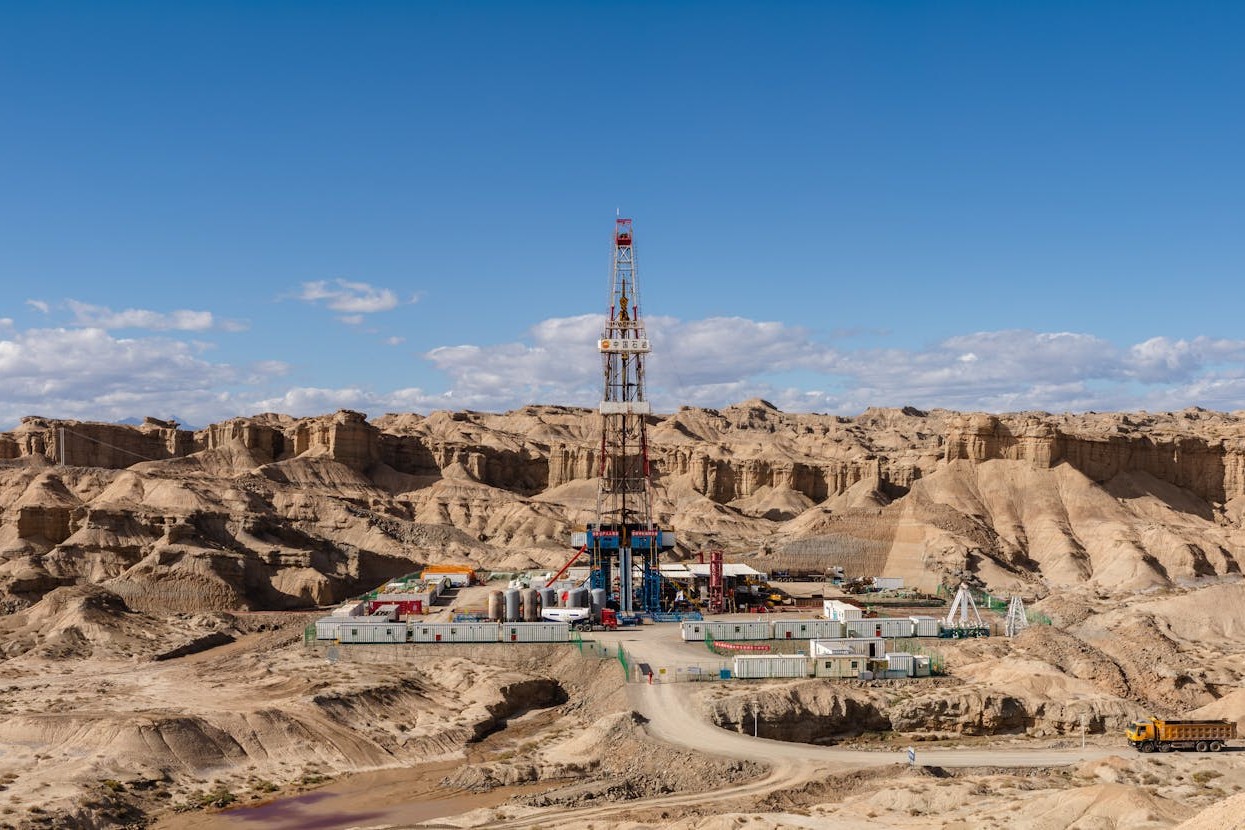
(1166, 735)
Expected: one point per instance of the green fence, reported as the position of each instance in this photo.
(937, 662)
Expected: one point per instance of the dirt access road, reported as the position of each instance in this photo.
(674, 717)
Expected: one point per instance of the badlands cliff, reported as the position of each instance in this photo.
(279, 512)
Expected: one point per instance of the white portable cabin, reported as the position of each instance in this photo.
(921, 665)
(867, 646)
(880, 627)
(806, 629)
(349, 609)
(463, 632)
(357, 631)
(837, 609)
(755, 667)
(840, 665)
(535, 632)
(925, 626)
(900, 661)
(326, 627)
(739, 630)
(888, 583)
(694, 630)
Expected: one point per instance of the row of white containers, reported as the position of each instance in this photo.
(890, 627)
(364, 630)
(764, 666)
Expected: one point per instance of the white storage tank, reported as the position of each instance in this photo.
(537, 632)
(806, 629)
(511, 598)
(754, 667)
(531, 604)
(578, 598)
(867, 646)
(890, 627)
(925, 626)
(900, 661)
(364, 632)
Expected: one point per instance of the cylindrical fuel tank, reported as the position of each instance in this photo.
(512, 605)
(495, 607)
(531, 609)
(578, 598)
(598, 600)
(548, 598)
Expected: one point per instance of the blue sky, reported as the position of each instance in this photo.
(218, 209)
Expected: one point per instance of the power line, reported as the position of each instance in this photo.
(64, 430)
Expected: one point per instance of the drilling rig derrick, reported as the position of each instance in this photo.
(624, 536)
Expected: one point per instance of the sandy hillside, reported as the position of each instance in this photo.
(152, 579)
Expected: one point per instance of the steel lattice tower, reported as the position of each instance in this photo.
(624, 531)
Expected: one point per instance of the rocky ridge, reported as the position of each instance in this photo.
(273, 511)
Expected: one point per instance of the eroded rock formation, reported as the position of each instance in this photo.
(275, 511)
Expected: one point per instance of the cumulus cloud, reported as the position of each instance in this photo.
(309, 400)
(351, 298)
(102, 317)
(88, 373)
(717, 361)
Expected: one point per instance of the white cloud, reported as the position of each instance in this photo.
(38, 305)
(1161, 360)
(102, 317)
(351, 319)
(349, 297)
(718, 361)
(87, 373)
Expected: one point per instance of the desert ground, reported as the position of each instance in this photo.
(156, 584)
